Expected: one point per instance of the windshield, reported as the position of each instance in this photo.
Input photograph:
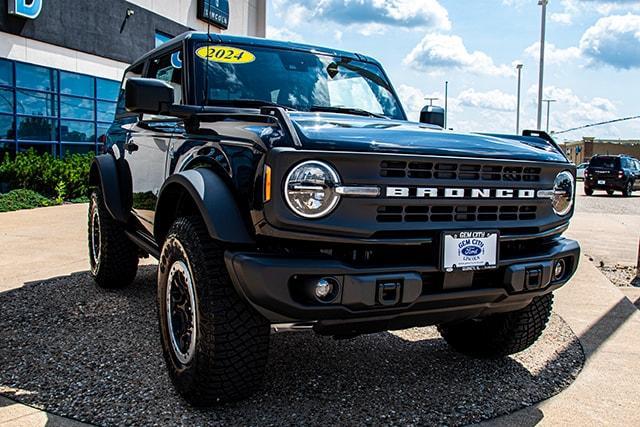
(297, 80)
(605, 162)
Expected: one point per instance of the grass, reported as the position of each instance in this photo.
(23, 199)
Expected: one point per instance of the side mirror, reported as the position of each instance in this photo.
(150, 96)
(432, 115)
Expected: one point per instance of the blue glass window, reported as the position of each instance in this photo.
(102, 132)
(162, 38)
(39, 148)
(37, 129)
(106, 111)
(34, 77)
(6, 127)
(36, 103)
(108, 89)
(72, 131)
(6, 101)
(6, 73)
(53, 110)
(76, 108)
(76, 84)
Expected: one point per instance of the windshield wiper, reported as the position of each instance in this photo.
(346, 110)
(257, 103)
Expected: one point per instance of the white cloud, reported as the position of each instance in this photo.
(283, 34)
(492, 100)
(552, 53)
(440, 51)
(367, 16)
(562, 18)
(571, 110)
(572, 8)
(613, 40)
(609, 7)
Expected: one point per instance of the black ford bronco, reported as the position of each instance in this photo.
(281, 187)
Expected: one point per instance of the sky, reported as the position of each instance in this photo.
(592, 56)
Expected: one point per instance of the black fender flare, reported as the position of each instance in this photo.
(105, 173)
(213, 199)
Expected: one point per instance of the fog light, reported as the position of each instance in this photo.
(559, 269)
(324, 290)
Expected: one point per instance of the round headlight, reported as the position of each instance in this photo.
(563, 192)
(310, 189)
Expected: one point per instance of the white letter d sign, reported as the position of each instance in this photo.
(26, 8)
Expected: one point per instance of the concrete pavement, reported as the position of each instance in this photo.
(42, 243)
(606, 391)
(13, 414)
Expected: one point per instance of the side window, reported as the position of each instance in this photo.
(135, 71)
(168, 68)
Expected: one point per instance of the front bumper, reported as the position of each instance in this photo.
(273, 285)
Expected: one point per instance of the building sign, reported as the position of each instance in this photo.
(215, 12)
(25, 8)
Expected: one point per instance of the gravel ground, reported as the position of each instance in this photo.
(600, 202)
(620, 275)
(94, 355)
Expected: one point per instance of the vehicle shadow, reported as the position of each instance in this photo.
(615, 196)
(94, 355)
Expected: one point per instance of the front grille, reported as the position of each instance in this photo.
(457, 213)
(462, 171)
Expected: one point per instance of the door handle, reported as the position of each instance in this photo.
(131, 146)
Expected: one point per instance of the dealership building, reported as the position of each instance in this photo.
(581, 151)
(61, 61)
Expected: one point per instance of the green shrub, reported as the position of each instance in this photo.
(56, 178)
(23, 199)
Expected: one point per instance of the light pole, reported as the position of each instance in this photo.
(543, 26)
(548, 101)
(519, 67)
(446, 102)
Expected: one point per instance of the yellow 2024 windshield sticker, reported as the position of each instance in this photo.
(225, 54)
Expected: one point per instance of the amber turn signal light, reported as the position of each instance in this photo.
(267, 183)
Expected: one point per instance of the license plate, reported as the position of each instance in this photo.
(601, 182)
(469, 250)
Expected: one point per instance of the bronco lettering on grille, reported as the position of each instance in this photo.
(461, 193)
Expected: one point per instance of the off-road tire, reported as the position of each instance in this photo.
(500, 335)
(232, 339)
(588, 191)
(114, 261)
(628, 189)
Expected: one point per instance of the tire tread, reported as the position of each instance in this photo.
(502, 334)
(120, 256)
(233, 344)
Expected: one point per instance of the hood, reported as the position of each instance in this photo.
(342, 132)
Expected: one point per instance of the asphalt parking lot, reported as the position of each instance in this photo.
(601, 202)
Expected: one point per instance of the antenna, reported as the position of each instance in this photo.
(205, 97)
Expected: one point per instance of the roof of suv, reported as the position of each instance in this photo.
(256, 41)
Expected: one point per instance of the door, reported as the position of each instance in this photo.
(148, 143)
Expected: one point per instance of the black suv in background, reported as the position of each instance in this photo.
(612, 173)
